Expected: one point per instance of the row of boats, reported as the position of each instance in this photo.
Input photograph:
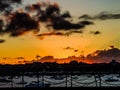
(32, 84)
(43, 84)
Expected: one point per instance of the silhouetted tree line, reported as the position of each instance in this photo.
(47, 67)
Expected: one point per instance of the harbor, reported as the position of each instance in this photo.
(68, 80)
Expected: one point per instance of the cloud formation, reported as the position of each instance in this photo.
(95, 32)
(52, 33)
(21, 23)
(29, 19)
(57, 20)
(67, 25)
(2, 40)
(70, 48)
(6, 6)
(101, 16)
(20, 58)
(58, 33)
(1, 24)
(99, 56)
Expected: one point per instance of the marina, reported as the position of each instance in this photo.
(83, 80)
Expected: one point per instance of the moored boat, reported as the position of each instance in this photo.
(37, 84)
(111, 79)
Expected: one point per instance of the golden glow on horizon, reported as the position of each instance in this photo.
(29, 46)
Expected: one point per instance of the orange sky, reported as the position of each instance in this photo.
(76, 44)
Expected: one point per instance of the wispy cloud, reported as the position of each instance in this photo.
(101, 16)
(58, 33)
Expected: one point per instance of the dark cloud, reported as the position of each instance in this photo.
(42, 36)
(95, 32)
(86, 23)
(101, 16)
(52, 11)
(68, 48)
(81, 31)
(99, 56)
(6, 6)
(52, 14)
(74, 31)
(104, 55)
(2, 40)
(112, 46)
(76, 50)
(47, 58)
(85, 17)
(52, 33)
(20, 58)
(17, 23)
(21, 23)
(66, 14)
(7, 58)
(57, 33)
(114, 52)
(29, 17)
(33, 7)
(1, 25)
(67, 25)
(106, 15)
(38, 56)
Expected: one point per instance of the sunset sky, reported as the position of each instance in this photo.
(98, 29)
